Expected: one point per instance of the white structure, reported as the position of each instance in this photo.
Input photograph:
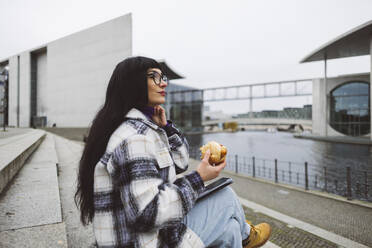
(342, 105)
(337, 113)
(65, 81)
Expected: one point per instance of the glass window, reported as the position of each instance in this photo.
(350, 109)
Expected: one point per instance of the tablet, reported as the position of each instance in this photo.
(215, 186)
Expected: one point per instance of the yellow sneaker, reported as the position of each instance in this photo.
(258, 236)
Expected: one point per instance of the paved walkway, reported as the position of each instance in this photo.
(69, 153)
(350, 221)
(10, 131)
(39, 207)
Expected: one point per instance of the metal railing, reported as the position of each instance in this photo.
(349, 182)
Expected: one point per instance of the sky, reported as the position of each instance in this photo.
(211, 43)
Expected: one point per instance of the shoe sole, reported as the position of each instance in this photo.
(264, 241)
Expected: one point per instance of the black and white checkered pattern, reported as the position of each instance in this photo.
(138, 200)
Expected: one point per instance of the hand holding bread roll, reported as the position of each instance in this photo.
(206, 170)
(218, 152)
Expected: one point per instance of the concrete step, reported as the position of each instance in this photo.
(69, 154)
(14, 150)
(52, 235)
(30, 208)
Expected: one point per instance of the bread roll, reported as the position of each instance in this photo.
(218, 152)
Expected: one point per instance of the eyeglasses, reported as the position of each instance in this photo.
(157, 77)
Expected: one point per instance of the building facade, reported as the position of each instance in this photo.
(342, 105)
(64, 82)
(185, 107)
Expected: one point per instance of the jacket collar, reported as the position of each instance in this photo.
(138, 115)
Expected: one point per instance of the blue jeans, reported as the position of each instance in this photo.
(219, 219)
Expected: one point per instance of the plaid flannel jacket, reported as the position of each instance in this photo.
(138, 200)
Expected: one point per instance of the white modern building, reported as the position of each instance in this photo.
(64, 81)
(342, 105)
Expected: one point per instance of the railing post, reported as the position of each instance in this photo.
(290, 173)
(366, 185)
(236, 164)
(325, 178)
(306, 178)
(253, 167)
(348, 182)
(276, 170)
(336, 185)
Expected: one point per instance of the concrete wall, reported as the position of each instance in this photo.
(319, 114)
(72, 74)
(25, 90)
(79, 67)
(370, 86)
(13, 91)
(321, 102)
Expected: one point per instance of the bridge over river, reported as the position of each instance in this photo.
(260, 121)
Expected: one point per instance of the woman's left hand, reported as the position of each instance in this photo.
(159, 116)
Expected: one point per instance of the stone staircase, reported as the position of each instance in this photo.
(30, 205)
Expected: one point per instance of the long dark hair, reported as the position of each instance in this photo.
(127, 89)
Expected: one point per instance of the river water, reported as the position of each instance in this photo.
(291, 154)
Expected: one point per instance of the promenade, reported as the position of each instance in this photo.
(37, 207)
(303, 219)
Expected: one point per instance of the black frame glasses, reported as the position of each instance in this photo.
(157, 77)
